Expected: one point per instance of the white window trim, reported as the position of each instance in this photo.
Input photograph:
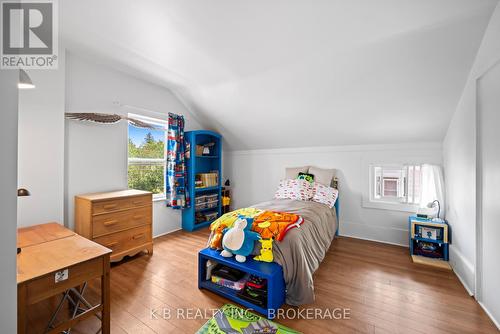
(400, 156)
(393, 206)
(138, 161)
(162, 124)
(159, 197)
(369, 201)
(150, 120)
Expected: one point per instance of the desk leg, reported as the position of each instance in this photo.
(105, 298)
(21, 309)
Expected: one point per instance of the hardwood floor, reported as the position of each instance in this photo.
(384, 291)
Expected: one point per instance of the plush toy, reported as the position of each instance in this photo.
(266, 252)
(216, 236)
(239, 240)
(225, 221)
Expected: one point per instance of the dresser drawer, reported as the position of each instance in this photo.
(124, 241)
(120, 204)
(122, 220)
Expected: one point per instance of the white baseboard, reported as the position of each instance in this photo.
(495, 321)
(464, 283)
(162, 234)
(463, 269)
(385, 235)
(367, 239)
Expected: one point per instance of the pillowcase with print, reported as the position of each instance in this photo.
(294, 189)
(325, 195)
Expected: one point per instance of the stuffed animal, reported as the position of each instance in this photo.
(225, 221)
(216, 237)
(239, 240)
(266, 252)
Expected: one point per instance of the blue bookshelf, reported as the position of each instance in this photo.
(198, 163)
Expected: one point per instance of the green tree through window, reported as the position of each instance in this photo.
(146, 160)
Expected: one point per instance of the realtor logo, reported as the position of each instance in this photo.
(29, 34)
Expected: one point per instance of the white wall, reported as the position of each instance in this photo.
(459, 151)
(8, 204)
(96, 155)
(255, 175)
(41, 147)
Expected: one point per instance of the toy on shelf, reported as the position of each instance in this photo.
(239, 240)
(207, 149)
(255, 291)
(226, 200)
(228, 277)
(226, 197)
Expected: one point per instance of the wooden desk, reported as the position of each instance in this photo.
(48, 249)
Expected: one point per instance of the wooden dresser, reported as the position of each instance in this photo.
(118, 220)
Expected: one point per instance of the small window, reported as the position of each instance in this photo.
(395, 183)
(146, 157)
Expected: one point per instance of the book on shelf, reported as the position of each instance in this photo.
(207, 180)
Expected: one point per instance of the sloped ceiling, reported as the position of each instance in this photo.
(269, 73)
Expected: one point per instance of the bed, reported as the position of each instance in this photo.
(303, 249)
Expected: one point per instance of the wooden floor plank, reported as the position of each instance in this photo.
(384, 290)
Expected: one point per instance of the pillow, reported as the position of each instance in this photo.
(292, 172)
(306, 176)
(294, 189)
(323, 176)
(325, 195)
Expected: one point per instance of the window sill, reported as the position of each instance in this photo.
(390, 206)
(159, 199)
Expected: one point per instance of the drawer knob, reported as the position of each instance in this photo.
(138, 236)
(110, 222)
(137, 217)
(137, 202)
(112, 245)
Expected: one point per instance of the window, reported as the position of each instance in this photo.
(395, 184)
(146, 157)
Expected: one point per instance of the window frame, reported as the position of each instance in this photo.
(396, 203)
(162, 125)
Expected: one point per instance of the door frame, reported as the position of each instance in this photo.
(478, 266)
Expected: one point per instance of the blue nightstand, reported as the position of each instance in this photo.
(429, 241)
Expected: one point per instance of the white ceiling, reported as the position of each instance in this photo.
(270, 73)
